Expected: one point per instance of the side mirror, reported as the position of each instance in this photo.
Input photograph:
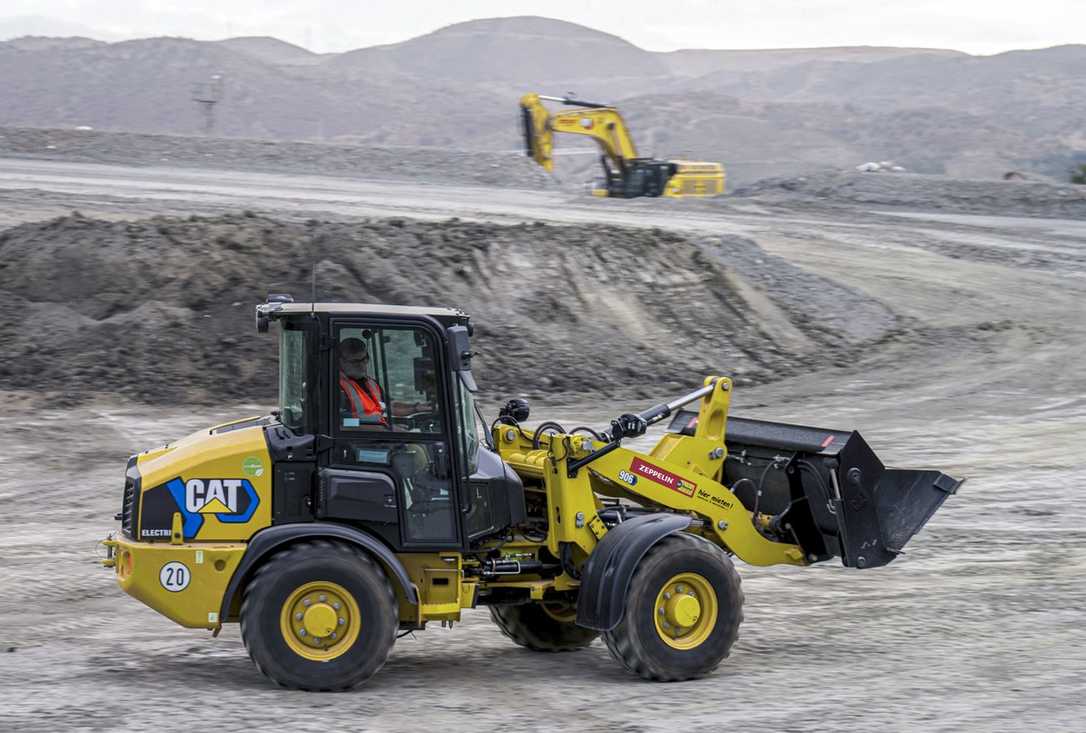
(459, 354)
(273, 302)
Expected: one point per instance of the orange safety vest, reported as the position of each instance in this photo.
(364, 398)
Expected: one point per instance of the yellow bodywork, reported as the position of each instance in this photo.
(607, 127)
(696, 179)
(140, 567)
(214, 454)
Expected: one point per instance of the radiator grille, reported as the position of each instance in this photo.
(130, 501)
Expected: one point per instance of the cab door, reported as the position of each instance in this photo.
(391, 469)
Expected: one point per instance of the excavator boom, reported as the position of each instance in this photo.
(602, 123)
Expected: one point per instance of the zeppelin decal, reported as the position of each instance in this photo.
(662, 477)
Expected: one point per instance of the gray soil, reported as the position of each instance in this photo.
(950, 341)
(372, 162)
(912, 192)
(160, 310)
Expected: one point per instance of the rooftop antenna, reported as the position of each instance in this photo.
(207, 94)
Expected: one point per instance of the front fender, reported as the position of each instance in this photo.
(606, 576)
(268, 540)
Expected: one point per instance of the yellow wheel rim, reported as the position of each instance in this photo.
(320, 621)
(685, 611)
(560, 611)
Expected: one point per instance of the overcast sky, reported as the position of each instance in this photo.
(975, 26)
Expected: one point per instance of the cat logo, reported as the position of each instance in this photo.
(212, 496)
(229, 500)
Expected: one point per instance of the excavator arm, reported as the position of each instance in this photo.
(600, 122)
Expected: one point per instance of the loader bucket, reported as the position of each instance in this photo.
(826, 490)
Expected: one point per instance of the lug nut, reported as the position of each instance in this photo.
(679, 588)
(336, 605)
(298, 615)
(667, 596)
(305, 602)
(692, 594)
(333, 634)
(322, 598)
(660, 610)
(341, 622)
(301, 632)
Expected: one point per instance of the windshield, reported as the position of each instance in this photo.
(292, 378)
(468, 428)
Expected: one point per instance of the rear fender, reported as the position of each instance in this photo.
(606, 576)
(267, 541)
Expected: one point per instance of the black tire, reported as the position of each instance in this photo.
(637, 643)
(284, 574)
(532, 627)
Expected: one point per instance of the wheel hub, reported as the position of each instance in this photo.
(320, 620)
(685, 611)
(682, 610)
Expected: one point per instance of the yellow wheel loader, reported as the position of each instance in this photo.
(625, 175)
(328, 528)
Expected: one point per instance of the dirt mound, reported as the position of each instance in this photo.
(161, 309)
(923, 192)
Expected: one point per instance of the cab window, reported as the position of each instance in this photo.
(292, 379)
(386, 380)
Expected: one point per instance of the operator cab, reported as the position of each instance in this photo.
(378, 426)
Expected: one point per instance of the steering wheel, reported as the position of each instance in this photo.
(419, 422)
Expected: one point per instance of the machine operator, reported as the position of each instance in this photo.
(360, 395)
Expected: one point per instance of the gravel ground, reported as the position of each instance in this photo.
(979, 627)
(433, 165)
(916, 192)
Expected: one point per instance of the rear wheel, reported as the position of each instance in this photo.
(319, 616)
(547, 626)
(683, 610)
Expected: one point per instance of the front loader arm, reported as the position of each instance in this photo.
(603, 124)
(682, 474)
(678, 488)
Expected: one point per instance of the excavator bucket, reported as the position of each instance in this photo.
(826, 489)
(538, 139)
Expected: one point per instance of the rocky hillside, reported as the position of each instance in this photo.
(774, 112)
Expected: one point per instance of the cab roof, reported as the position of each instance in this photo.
(369, 309)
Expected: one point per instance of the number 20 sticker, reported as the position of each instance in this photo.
(174, 576)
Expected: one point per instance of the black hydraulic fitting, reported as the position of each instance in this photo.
(628, 426)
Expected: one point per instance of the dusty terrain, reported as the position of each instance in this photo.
(950, 340)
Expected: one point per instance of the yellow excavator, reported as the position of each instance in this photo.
(626, 175)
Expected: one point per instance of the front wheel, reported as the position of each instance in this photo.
(683, 610)
(319, 615)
